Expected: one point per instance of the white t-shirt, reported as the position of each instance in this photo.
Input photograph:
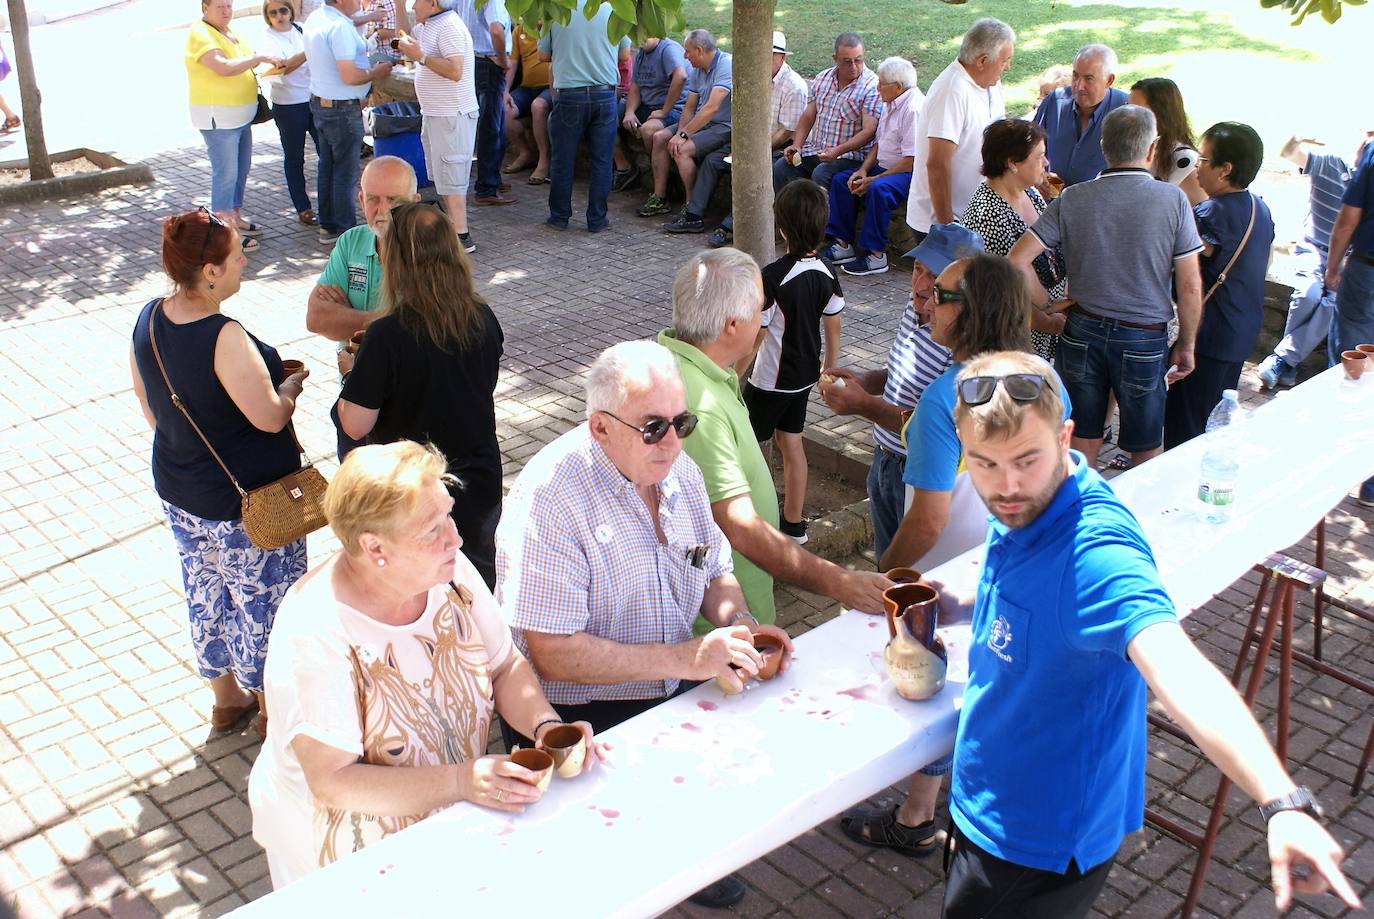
(956, 109)
(292, 88)
(445, 35)
(382, 693)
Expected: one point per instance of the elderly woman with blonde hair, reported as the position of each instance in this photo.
(387, 665)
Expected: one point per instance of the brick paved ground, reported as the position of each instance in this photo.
(113, 802)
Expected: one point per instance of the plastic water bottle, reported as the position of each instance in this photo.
(1216, 490)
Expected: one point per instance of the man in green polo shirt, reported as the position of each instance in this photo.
(717, 311)
(345, 299)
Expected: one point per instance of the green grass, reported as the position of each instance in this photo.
(1150, 40)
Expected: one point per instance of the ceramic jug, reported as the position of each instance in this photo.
(915, 655)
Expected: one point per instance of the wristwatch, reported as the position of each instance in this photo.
(684, 135)
(1300, 799)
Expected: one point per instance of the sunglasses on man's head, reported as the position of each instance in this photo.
(657, 428)
(942, 296)
(1022, 387)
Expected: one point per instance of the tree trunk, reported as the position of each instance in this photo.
(751, 171)
(31, 101)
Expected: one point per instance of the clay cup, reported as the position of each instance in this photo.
(771, 647)
(568, 748)
(537, 761)
(290, 367)
(1354, 363)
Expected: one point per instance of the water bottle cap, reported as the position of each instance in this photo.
(1231, 394)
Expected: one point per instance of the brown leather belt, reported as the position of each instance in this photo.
(1362, 259)
(1124, 323)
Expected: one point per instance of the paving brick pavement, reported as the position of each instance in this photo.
(114, 803)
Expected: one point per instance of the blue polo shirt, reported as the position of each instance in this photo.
(1049, 760)
(1232, 318)
(330, 37)
(1360, 194)
(582, 54)
(1075, 157)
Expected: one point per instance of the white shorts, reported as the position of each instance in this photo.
(448, 141)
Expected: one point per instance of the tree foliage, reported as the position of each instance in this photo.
(639, 19)
(1330, 10)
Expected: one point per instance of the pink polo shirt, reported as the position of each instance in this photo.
(896, 137)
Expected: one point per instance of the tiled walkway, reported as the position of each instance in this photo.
(111, 800)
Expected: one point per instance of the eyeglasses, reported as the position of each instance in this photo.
(1022, 387)
(657, 428)
(284, 11)
(214, 221)
(942, 296)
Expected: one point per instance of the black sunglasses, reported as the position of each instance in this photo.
(942, 296)
(214, 222)
(657, 428)
(280, 11)
(1022, 387)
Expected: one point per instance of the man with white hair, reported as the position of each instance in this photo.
(607, 554)
(717, 313)
(1122, 273)
(964, 99)
(1072, 115)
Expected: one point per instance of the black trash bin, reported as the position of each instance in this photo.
(396, 132)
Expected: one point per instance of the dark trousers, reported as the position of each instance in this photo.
(581, 113)
(293, 123)
(979, 885)
(339, 130)
(602, 716)
(490, 84)
(1192, 398)
(479, 538)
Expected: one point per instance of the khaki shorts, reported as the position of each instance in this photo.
(448, 141)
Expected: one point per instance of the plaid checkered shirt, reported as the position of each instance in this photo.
(840, 112)
(576, 552)
(790, 93)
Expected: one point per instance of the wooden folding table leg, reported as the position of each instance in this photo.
(1255, 611)
(1319, 595)
(1364, 763)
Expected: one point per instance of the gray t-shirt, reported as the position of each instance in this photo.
(1120, 234)
(653, 72)
(720, 72)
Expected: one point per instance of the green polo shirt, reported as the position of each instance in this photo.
(355, 267)
(723, 445)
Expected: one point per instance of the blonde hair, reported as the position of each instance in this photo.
(1001, 416)
(378, 487)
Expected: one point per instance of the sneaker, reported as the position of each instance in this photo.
(720, 237)
(685, 223)
(654, 207)
(1366, 496)
(1268, 371)
(622, 179)
(836, 253)
(872, 263)
(796, 530)
(723, 894)
(328, 236)
(465, 240)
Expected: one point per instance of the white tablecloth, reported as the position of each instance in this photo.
(704, 784)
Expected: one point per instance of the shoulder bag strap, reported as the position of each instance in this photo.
(181, 406)
(1221, 278)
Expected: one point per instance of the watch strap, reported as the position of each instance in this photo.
(1299, 799)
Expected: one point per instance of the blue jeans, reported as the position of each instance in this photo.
(1097, 356)
(886, 497)
(811, 168)
(585, 112)
(231, 153)
(1310, 310)
(490, 85)
(339, 132)
(293, 123)
(884, 193)
(1354, 323)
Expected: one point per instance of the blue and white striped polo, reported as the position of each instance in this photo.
(1330, 175)
(912, 363)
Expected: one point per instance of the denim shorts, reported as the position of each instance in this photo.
(524, 96)
(1097, 356)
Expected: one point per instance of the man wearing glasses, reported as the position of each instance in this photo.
(1070, 625)
(607, 553)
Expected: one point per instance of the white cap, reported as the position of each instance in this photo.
(780, 43)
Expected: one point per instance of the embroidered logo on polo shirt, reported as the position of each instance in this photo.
(357, 277)
(999, 638)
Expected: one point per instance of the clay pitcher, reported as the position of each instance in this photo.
(915, 655)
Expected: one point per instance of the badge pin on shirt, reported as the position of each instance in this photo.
(604, 534)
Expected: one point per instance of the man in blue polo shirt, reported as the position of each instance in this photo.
(1070, 625)
(339, 82)
(1072, 115)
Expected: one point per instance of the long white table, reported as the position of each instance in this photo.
(704, 784)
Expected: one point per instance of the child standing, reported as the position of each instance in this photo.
(800, 294)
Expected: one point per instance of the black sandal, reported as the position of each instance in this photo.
(880, 829)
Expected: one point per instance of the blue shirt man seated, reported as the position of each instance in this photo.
(1072, 115)
(1039, 814)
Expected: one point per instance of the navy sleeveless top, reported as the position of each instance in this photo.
(184, 472)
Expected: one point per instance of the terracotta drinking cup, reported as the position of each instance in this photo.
(568, 748)
(1367, 349)
(903, 575)
(292, 367)
(538, 762)
(1354, 363)
(771, 647)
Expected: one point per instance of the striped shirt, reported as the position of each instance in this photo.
(914, 361)
(790, 95)
(1330, 176)
(840, 111)
(576, 552)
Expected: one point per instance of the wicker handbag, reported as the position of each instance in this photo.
(274, 514)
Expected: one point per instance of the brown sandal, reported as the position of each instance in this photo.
(224, 719)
